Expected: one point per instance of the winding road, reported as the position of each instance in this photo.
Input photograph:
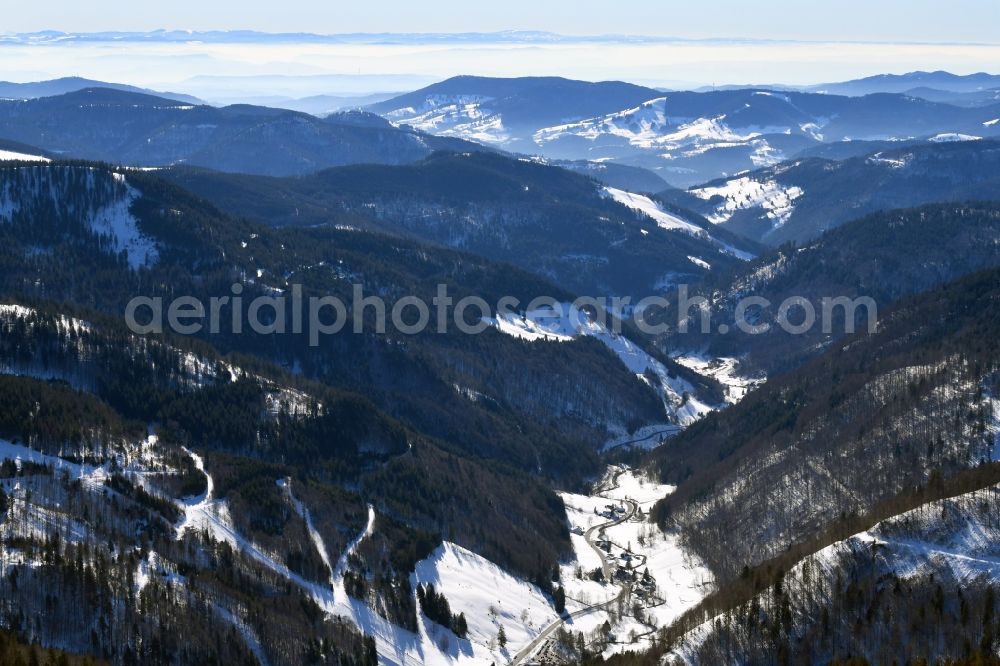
(607, 568)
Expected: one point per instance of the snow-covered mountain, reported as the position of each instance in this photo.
(909, 578)
(506, 111)
(799, 199)
(685, 137)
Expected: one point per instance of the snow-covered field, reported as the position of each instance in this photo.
(117, 221)
(92, 476)
(891, 162)
(724, 370)
(951, 137)
(743, 193)
(464, 116)
(648, 126)
(489, 598)
(651, 209)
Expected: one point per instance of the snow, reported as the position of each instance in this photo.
(701, 263)
(894, 163)
(646, 438)
(669, 221)
(92, 476)
(113, 220)
(640, 125)
(955, 534)
(813, 129)
(567, 322)
(204, 513)
(251, 640)
(725, 370)
(11, 156)
(314, 535)
(64, 323)
(155, 566)
(764, 154)
(535, 325)
(648, 126)
(394, 644)
(948, 137)
(18, 311)
(653, 210)
(489, 598)
(681, 581)
(745, 192)
(117, 220)
(341, 568)
(463, 116)
(991, 123)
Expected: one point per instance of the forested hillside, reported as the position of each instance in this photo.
(799, 199)
(151, 238)
(546, 220)
(140, 129)
(884, 256)
(871, 417)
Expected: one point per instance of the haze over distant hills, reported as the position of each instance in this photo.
(69, 84)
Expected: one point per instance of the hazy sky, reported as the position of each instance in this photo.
(777, 41)
(961, 21)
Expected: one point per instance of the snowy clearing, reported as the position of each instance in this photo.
(745, 193)
(11, 156)
(724, 370)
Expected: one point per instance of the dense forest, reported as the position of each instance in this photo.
(200, 252)
(545, 220)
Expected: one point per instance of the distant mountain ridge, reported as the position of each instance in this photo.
(34, 89)
(684, 137)
(144, 130)
(901, 83)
